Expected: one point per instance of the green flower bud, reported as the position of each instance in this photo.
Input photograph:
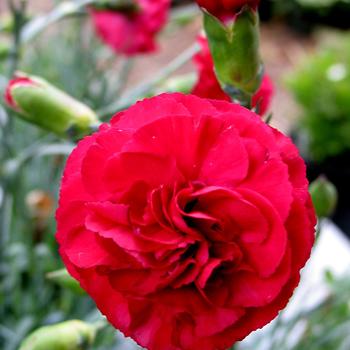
(69, 335)
(41, 103)
(235, 50)
(65, 280)
(324, 197)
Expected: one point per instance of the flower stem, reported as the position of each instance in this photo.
(6, 200)
(239, 96)
(146, 86)
(18, 14)
(63, 10)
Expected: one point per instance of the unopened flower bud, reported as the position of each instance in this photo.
(324, 196)
(69, 335)
(41, 103)
(235, 50)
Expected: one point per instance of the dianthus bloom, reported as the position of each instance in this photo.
(207, 85)
(187, 221)
(132, 32)
(223, 8)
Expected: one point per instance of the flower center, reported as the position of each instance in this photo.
(209, 233)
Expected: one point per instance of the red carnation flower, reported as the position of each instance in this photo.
(208, 86)
(133, 32)
(223, 8)
(187, 221)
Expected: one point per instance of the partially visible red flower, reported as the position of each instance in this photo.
(207, 85)
(187, 221)
(226, 8)
(132, 33)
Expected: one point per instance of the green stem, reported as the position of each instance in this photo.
(60, 12)
(318, 229)
(125, 70)
(13, 166)
(100, 325)
(63, 10)
(71, 8)
(184, 13)
(148, 85)
(239, 96)
(6, 203)
(5, 218)
(127, 6)
(18, 14)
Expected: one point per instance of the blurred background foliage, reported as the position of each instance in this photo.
(68, 54)
(326, 105)
(323, 326)
(303, 15)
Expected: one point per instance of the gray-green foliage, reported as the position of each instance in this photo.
(68, 55)
(323, 327)
(27, 299)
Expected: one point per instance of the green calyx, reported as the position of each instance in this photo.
(235, 51)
